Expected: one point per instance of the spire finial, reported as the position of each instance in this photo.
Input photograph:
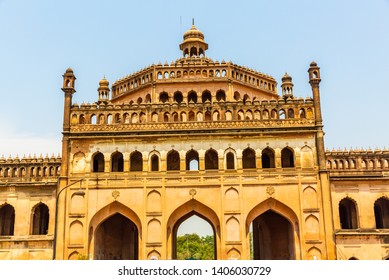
(192, 21)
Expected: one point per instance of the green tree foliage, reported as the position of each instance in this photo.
(192, 246)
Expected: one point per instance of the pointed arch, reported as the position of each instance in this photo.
(136, 161)
(154, 161)
(117, 162)
(211, 159)
(276, 206)
(230, 159)
(114, 209)
(381, 213)
(192, 160)
(40, 219)
(98, 162)
(268, 158)
(185, 211)
(248, 158)
(173, 160)
(274, 223)
(348, 214)
(287, 157)
(7, 219)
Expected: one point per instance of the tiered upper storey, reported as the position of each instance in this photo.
(193, 93)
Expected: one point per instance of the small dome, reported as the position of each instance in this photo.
(313, 64)
(193, 33)
(286, 77)
(104, 82)
(69, 70)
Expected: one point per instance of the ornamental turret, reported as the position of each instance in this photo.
(193, 44)
(287, 86)
(103, 90)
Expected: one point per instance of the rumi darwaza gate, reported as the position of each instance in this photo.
(195, 137)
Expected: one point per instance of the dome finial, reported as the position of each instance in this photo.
(192, 21)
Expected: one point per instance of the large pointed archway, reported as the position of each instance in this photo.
(114, 233)
(272, 229)
(184, 212)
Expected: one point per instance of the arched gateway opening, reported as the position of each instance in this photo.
(186, 213)
(272, 237)
(114, 233)
(272, 229)
(193, 238)
(116, 239)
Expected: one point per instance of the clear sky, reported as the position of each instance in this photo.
(40, 39)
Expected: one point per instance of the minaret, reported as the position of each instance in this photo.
(323, 182)
(68, 88)
(103, 90)
(287, 86)
(193, 44)
(314, 80)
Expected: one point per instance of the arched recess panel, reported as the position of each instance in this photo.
(76, 236)
(79, 163)
(306, 157)
(314, 254)
(310, 198)
(154, 255)
(154, 231)
(233, 254)
(233, 229)
(73, 256)
(154, 202)
(77, 204)
(312, 228)
(232, 199)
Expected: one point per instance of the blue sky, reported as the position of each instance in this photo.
(40, 39)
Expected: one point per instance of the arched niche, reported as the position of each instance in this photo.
(312, 231)
(233, 229)
(154, 231)
(154, 201)
(306, 156)
(79, 162)
(76, 233)
(310, 198)
(232, 199)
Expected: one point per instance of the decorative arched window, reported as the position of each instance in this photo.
(98, 162)
(211, 159)
(290, 113)
(220, 95)
(287, 158)
(136, 161)
(154, 163)
(163, 97)
(178, 97)
(268, 158)
(381, 213)
(7, 220)
(347, 214)
(208, 116)
(40, 219)
(173, 160)
(117, 162)
(248, 158)
(192, 116)
(192, 160)
(192, 97)
(230, 160)
(206, 97)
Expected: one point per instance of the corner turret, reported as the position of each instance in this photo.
(103, 90)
